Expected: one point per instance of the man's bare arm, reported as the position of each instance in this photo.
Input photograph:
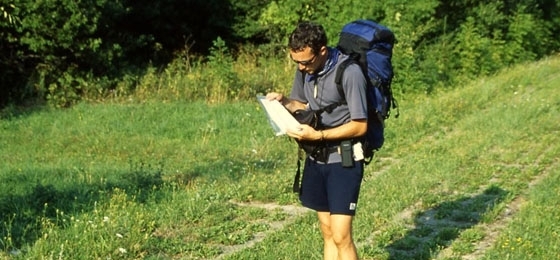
(352, 129)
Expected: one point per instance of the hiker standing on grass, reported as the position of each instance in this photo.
(329, 186)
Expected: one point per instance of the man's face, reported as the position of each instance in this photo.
(308, 61)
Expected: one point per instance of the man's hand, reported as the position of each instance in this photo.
(291, 105)
(305, 132)
(352, 129)
(275, 96)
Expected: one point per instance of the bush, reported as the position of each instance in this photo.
(65, 51)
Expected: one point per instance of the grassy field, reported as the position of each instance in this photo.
(471, 173)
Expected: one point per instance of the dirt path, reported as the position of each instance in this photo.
(292, 211)
(426, 219)
(494, 229)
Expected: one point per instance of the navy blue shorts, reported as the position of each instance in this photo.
(331, 187)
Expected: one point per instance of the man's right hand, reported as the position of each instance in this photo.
(290, 104)
(275, 96)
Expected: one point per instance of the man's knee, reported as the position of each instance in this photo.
(326, 231)
(341, 228)
(342, 239)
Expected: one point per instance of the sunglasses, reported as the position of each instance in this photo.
(306, 62)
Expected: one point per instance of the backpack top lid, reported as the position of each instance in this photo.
(371, 45)
(362, 35)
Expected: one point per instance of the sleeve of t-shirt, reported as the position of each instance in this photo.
(354, 85)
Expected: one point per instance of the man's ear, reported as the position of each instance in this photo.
(323, 51)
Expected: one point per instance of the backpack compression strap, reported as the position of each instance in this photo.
(369, 81)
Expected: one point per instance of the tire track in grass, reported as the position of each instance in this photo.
(426, 219)
(292, 212)
(493, 230)
(459, 215)
(428, 228)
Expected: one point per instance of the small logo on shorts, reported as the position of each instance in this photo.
(352, 206)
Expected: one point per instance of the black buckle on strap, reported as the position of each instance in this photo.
(322, 154)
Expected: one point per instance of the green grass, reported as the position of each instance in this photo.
(535, 232)
(468, 172)
(137, 163)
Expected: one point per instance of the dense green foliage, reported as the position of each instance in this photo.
(64, 51)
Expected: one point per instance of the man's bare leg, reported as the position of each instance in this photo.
(337, 236)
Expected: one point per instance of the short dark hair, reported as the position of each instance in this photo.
(308, 34)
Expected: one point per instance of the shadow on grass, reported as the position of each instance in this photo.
(21, 209)
(24, 200)
(436, 228)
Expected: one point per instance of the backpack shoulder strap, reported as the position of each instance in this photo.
(339, 75)
(338, 82)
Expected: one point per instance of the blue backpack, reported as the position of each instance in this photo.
(370, 45)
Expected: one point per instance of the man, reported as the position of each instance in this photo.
(327, 187)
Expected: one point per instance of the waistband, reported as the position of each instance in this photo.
(322, 154)
(333, 153)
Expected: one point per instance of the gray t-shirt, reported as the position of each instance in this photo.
(319, 91)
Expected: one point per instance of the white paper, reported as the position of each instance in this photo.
(279, 117)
